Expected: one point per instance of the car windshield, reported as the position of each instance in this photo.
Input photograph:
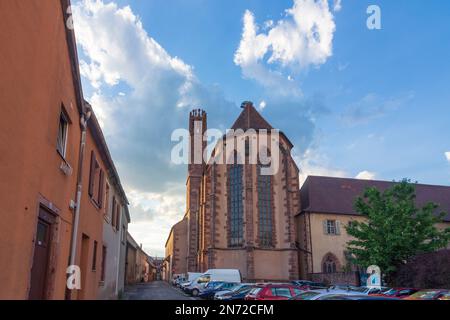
(425, 294)
(213, 285)
(308, 295)
(391, 292)
(255, 291)
(243, 288)
(358, 289)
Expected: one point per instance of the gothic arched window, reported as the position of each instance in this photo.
(265, 219)
(329, 264)
(235, 204)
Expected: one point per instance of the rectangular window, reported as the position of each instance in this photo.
(236, 205)
(118, 217)
(96, 181)
(94, 257)
(61, 143)
(107, 202)
(113, 212)
(124, 234)
(331, 227)
(265, 221)
(102, 277)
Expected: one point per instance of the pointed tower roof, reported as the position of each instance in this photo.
(250, 119)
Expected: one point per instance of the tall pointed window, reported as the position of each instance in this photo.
(235, 204)
(265, 221)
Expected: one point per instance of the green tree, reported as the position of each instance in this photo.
(395, 230)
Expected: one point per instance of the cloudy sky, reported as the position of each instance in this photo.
(355, 102)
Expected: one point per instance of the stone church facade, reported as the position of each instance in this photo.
(237, 217)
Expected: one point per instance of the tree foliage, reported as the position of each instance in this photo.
(395, 230)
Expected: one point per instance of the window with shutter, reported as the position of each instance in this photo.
(61, 143)
(100, 189)
(113, 212)
(118, 217)
(92, 174)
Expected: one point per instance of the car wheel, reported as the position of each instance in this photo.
(195, 292)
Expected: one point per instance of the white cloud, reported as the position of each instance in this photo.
(366, 175)
(312, 163)
(337, 5)
(304, 37)
(447, 155)
(373, 106)
(118, 56)
(262, 105)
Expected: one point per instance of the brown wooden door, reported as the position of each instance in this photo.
(40, 261)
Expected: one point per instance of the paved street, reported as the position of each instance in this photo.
(156, 290)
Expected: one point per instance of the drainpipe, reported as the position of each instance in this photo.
(76, 219)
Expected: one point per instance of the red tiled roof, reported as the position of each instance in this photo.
(337, 195)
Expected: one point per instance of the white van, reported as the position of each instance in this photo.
(191, 277)
(225, 275)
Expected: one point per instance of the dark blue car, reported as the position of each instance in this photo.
(237, 295)
(213, 287)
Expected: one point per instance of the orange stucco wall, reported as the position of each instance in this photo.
(35, 80)
(91, 225)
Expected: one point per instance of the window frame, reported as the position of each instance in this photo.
(62, 142)
(235, 190)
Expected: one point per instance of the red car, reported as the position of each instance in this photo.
(401, 293)
(429, 294)
(274, 292)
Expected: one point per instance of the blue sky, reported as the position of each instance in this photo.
(357, 102)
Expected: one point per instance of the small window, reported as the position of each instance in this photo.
(107, 202)
(94, 257)
(102, 278)
(118, 217)
(61, 143)
(331, 227)
(124, 234)
(113, 212)
(96, 181)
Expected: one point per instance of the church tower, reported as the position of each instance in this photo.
(196, 167)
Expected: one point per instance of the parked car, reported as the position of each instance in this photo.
(401, 293)
(213, 287)
(223, 291)
(228, 275)
(429, 294)
(353, 297)
(274, 292)
(358, 290)
(316, 294)
(237, 294)
(309, 285)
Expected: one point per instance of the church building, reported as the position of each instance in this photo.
(236, 217)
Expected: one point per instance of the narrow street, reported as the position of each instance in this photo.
(156, 290)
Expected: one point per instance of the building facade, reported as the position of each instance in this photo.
(52, 192)
(328, 207)
(237, 217)
(175, 262)
(138, 263)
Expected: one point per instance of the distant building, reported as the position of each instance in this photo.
(175, 262)
(328, 207)
(138, 263)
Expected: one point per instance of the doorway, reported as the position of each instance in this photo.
(42, 247)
